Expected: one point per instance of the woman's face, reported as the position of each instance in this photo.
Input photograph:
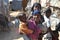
(36, 8)
(37, 17)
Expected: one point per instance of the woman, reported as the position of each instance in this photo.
(36, 6)
(33, 25)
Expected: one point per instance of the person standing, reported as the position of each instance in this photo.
(33, 25)
(47, 23)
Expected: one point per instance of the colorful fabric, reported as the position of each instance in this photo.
(36, 30)
(36, 12)
(24, 29)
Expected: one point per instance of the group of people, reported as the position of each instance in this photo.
(37, 26)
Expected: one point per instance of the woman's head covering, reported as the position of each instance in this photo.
(36, 12)
(36, 5)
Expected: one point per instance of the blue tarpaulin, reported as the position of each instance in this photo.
(16, 5)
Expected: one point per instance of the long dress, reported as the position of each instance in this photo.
(36, 30)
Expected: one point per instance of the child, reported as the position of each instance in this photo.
(47, 23)
(23, 28)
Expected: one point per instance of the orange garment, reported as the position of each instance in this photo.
(23, 28)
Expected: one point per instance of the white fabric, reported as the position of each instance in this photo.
(59, 35)
(54, 22)
(47, 21)
(47, 36)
